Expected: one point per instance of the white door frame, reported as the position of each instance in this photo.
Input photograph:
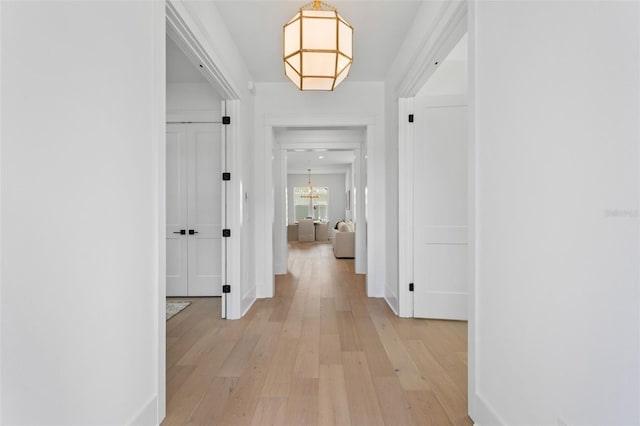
(173, 19)
(280, 243)
(456, 18)
(452, 27)
(365, 217)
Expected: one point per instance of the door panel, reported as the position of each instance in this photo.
(194, 202)
(205, 213)
(440, 208)
(177, 263)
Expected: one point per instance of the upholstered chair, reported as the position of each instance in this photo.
(306, 230)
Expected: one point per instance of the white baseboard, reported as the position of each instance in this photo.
(147, 414)
(249, 307)
(483, 414)
(391, 304)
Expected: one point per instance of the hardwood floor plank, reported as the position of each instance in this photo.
(308, 358)
(393, 401)
(319, 353)
(453, 401)
(328, 317)
(330, 350)
(269, 412)
(247, 394)
(214, 401)
(182, 403)
(426, 410)
(349, 339)
(410, 376)
(199, 347)
(176, 378)
(377, 358)
(363, 401)
(302, 403)
(235, 362)
(333, 408)
(280, 375)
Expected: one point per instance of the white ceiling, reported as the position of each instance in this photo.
(179, 68)
(319, 161)
(379, 29)
(306, 145)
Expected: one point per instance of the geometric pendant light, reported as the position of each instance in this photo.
(318, 47)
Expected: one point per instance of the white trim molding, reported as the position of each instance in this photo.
(366, 218)
(405, 207)
(234, 201)
(1, 5)
(159, 400)
(188, 36)
(476, 405)
(435, 45)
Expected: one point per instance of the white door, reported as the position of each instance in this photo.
(194, 209)
(204, 231)
(440, 208)
(177, 261)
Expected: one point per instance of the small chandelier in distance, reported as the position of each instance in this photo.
(318, 47)
(310, 193)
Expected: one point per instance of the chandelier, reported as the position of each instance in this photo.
(310, 193)
(318, 47)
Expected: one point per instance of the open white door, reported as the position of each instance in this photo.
(440, 208)
(205, 215)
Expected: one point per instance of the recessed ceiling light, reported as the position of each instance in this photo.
(320, 157)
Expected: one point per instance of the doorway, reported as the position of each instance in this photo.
(330, 157)
(222, 105)
(434, 256)
(195, 159)
(266, 289)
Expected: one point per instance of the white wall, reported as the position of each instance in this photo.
(81, 120)
(348, 101)
(557, 181)
(451, 76)
(336, 185)
(193, 97)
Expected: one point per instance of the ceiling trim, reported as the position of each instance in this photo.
(319, 120)
(182, 31)
(438, 41)
(333, 146)
(326, 170)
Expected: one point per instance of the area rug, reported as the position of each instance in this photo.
(175, 307)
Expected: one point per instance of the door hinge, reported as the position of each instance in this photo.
(226, 289)
(410, 286)
(410, 118)
(226, 119)
(226, 233)
(226, 176)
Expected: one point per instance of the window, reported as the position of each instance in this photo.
(317, 207)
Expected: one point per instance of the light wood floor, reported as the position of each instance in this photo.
(319, 353)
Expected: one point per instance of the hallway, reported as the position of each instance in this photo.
(320, 352)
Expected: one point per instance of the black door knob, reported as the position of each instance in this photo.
(181, 232)
(191, 232)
